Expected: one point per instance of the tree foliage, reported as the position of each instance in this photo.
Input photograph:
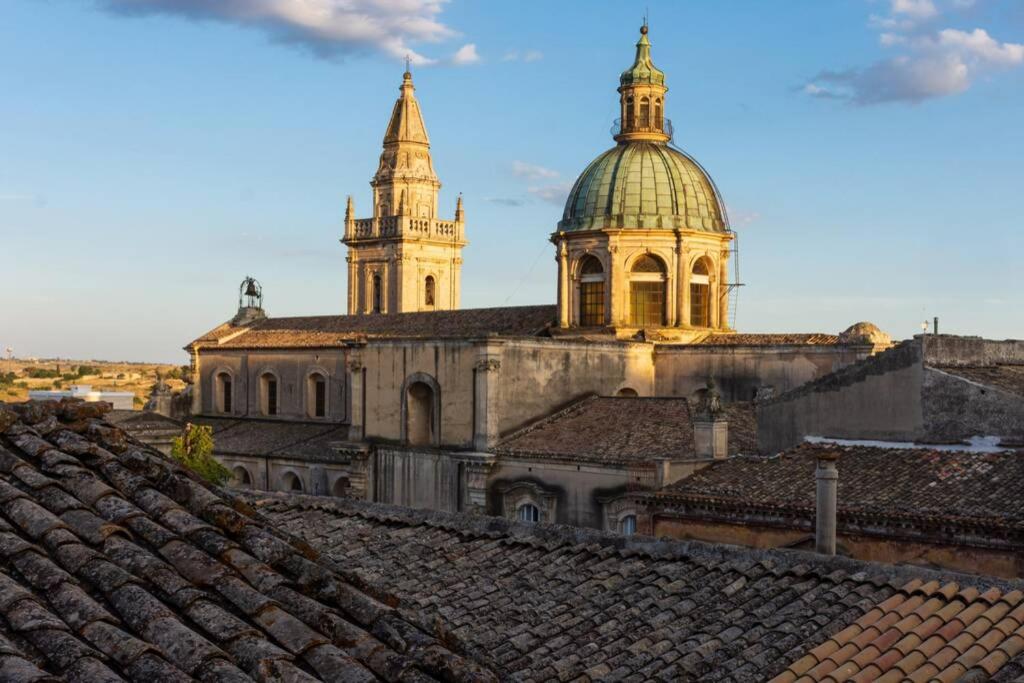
(194, 450)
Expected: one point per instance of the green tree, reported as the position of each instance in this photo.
(194, 450)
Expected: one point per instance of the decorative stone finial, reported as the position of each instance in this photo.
(710, 405)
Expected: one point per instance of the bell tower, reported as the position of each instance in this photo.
(405, 258)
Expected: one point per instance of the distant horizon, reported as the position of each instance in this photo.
(159, 151)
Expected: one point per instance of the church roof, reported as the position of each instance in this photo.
(622, 430)
(117, 564)
(643, 69)
(543, 602)
(943, 495)
(337, 330)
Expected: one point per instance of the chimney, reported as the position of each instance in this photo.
(710, 426)
(827, 479)
(935, 328)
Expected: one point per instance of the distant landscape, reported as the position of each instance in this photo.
(20, 375)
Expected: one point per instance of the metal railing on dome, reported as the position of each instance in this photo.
(638, 127)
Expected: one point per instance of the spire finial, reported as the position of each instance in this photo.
(408, 64)
(643, 28)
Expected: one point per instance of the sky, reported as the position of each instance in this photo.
(155, 152)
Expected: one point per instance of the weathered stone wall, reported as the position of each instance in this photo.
(947, 349)
(878, 398)
(740, 371)
(955, 409)
(269, 473)
(538, 376)
(292, 369)
(387, 365)
(424, 479)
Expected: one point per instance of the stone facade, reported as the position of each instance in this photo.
(404, 258)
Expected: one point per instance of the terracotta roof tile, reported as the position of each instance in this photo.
(139, 571)
(1009, 378)
(789, 339)
(624, 430)
(337, 330)
(913, 493)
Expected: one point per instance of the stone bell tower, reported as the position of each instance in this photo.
(405, 258)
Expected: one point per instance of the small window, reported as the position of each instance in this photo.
(291, 482)
(376, 294)
(223, 393)
(320, 397)
(268, 394)
(659, 122)
(629, 112)
(428, 291)
(627, 525)
(645, 113)
(528, 512)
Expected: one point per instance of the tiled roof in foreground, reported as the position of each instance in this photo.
(115, 564)
(618, 430)
(335, 330)
(539, 602)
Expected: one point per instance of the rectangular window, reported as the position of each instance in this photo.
(591, 304)
(272, 397)
(227, 396)
(699, 295)
(320, 408)
(647, 304)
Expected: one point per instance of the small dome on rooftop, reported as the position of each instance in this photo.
(864, 333)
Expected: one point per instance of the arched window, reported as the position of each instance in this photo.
(376, 300)
(419, 425)
(291, 482)
(268, 393)
(627, 392)
(700, 295)
(647, 292)
(627, 525)
(240, 478)
(659, 122)
(316, 395)
(428, 291)
(629, 113)
(340, 488)
(528, 512)
(223, 393)
(591, 292)
(645, 112)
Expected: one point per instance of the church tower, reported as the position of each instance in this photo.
(405, 258)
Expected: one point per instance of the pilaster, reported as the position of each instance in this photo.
(485, 397)
(356, 394)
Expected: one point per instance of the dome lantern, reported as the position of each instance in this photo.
(642, 97)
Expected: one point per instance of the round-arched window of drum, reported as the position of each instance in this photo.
(591, 292)
(700, 295)
(647, 292)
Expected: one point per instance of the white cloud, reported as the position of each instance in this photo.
(918, 9)
(928, 65)
(466, 55)
(327, 28)
(978, 42)
(532, 171)
(554, 194)
(527, 56)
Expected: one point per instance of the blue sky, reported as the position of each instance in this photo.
(154, 152)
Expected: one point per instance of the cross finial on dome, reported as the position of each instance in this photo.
(408, 64)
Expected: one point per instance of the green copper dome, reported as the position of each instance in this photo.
(644, 185)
